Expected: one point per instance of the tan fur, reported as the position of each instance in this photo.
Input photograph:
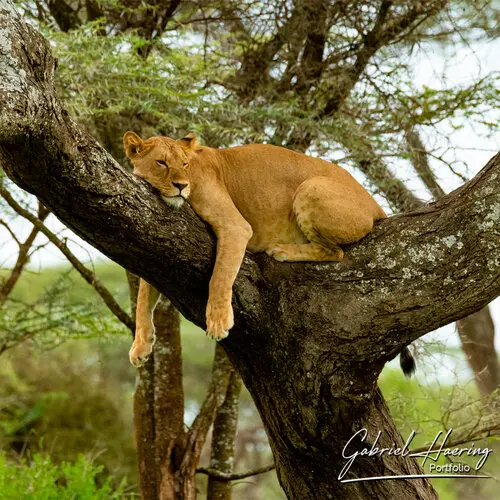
(257, 197)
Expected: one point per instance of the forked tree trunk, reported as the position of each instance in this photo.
(309, 339)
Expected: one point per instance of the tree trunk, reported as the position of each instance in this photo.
(159, 406)
(144, 415)
(168, 398)
(310, 339)
(223, 441)
(145, 437)
(477, 333)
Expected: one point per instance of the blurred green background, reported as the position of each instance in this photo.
(66, 398)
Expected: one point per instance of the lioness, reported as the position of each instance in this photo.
(261, 197)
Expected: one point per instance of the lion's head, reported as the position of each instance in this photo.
(163, 162)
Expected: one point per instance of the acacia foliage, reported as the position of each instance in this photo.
(338, 80)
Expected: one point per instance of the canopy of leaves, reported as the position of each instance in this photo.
(303, 74)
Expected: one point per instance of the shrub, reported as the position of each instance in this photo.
(41, 479)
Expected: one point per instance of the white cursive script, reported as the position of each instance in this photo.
(352, 451)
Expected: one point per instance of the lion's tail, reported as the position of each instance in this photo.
(407, 362)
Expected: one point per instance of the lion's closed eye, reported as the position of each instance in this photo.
(161, 163)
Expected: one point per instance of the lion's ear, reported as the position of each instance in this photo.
(189, 142)
(132, 144)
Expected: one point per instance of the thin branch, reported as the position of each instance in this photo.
(418, 157)
(87, 275)
(234, 477)
(21, 338)
(23, 255)
(221, 373)
(384, 32)
(487, 427)
(14, 237)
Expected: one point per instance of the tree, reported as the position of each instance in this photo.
(308, 75)
(311, 368)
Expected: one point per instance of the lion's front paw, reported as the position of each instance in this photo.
(279, 253)
(140, 351)
(219, 319)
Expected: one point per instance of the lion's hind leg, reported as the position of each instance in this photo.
(329, 214)
(305, 252)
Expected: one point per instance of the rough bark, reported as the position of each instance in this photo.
(159, 406)
(310, 339)
(223, 441)
(145, 435)
(144, 415)
(168, 398)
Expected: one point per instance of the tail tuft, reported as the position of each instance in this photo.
(407, 362)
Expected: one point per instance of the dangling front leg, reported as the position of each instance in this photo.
(142, 347)
(231, 244)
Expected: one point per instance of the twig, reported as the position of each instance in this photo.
(87, 275)
(22, 257)
(233, 477)
(14, 237)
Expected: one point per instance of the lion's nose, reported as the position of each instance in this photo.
(179, 185)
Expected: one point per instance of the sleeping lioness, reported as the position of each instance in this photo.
(257, 197)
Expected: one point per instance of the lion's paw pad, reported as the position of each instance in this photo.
(139, 354)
